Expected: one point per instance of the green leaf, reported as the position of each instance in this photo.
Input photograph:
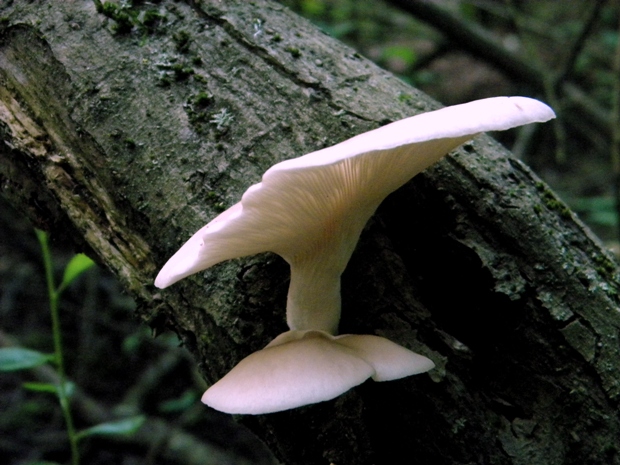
(41, 235)
(50, 388)
(41, 387)
(180, 404)
(78, 265)
(18, 358)
(125, 427)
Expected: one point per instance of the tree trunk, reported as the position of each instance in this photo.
(127, 129)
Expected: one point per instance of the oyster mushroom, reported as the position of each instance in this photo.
(304, 367)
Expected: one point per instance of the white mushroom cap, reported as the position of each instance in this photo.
(312, 209)
(304, 367)
(389, 360)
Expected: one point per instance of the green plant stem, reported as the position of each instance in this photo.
(54, 296)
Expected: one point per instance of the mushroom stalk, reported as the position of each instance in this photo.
(314, 294)
(313, 300)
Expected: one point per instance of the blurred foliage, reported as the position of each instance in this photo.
(570, 45)
(119, 376)
(385, 35)
(599, 210)
(18, 358)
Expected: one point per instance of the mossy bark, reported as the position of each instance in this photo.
(126, 129)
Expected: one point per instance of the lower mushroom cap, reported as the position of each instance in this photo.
(281, 377)
(304, 367)
(389, 360)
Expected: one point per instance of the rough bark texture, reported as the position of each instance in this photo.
(128, 135)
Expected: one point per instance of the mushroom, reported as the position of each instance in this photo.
(311, 210)
(304, 367)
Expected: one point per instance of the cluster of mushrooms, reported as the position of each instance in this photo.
(311, 211)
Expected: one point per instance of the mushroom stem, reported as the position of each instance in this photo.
(313, 300)
(314, 295)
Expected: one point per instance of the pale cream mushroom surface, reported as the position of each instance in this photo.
(304, 367)
(311, 210)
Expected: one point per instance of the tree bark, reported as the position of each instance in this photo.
(126, 134)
